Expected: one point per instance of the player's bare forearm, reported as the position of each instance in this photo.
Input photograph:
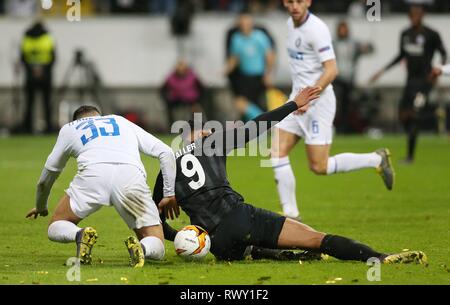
(329, 75)
(232, 63)
(44, 187)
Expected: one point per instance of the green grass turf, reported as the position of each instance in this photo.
(414, 216)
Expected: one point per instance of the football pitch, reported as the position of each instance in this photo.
(415, 216)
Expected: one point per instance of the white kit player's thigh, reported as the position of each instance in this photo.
(90, 189)
(132, 198)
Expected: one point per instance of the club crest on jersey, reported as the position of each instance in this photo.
(298, 42)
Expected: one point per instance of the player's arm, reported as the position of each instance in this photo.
(158, 195)
(233, 59)
(330, 72)
(401, 55)
(153, 147)
(264, 122)
(441, 49)
(56, 162)
(232, 63)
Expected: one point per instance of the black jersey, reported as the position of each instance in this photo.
(418, 47)
(202, 188)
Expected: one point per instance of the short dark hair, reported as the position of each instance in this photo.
(83, 110)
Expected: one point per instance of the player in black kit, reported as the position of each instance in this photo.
(204, 193)
(418, 45)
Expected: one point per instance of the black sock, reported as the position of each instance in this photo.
(347, 249)
(412, 140)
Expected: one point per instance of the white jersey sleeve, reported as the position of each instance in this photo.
(322, 43)
(152, 146)
(57, 159)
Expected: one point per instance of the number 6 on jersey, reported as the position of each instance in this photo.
(196, 168)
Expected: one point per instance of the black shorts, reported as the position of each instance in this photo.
(412, 89)
(242, 227)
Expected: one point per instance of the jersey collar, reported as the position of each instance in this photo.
(304, 21)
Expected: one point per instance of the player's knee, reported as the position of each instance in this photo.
(154, 248)
(319, 168)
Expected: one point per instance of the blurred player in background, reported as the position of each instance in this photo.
(110, 172)
(251, 52)
(313, 63)
(38, 57)
(418, 45)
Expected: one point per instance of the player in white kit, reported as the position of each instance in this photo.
(313, 63)
(110, 173)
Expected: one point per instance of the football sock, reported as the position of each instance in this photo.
(63, 231)
(153, 248)
(285, 180)
(169, 232)
(252, 112)
(347, 249)
(412, 140)
(348, 162)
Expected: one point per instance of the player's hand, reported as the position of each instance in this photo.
(268, 82)
(375, 78)
(170, 207)
(435, 73)
(305, 96)
(33, 213)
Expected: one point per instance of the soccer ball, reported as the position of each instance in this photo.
(192, 242)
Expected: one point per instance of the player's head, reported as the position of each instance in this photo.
(85, 111)
(297, 8)
(182, 67)
(342, 30)
(416, 14)
(245, 23)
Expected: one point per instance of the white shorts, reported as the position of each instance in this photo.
(316, 125)
(123, 186)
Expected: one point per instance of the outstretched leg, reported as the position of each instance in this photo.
(322, 164)
(297, 235)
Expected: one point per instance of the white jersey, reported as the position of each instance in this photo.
(308, 45)
(110, 139)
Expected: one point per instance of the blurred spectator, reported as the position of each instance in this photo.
(38, 57)
(182, 89)
(348, 52)
(251, 52)
(21, 8)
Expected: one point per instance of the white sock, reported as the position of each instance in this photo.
(63, 231)
(349, 162)
(285, 179)
(153, 248)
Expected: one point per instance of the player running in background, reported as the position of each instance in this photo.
(312, 61)
(110, 172)
(418, 45)
(205, 194)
